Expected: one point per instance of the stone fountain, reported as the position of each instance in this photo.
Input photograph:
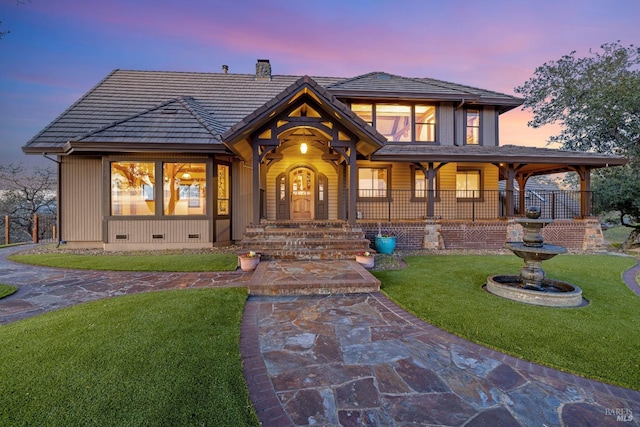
(532, 286)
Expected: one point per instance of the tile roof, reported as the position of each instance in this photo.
(220, 101)
(537, 160)
(382, 84)
(178, 121)
(502, 153)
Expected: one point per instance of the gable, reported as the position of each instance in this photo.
(324, 104)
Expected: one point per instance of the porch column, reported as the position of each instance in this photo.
(255, 184)
(510, 208)
(353, 184)
(431, 191)
(585, 192)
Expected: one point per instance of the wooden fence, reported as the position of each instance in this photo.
(39, 229)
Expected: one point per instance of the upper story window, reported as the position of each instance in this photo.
(400, 122)
(472, 127)
(425, 119)
(394, 122)
(364, 111)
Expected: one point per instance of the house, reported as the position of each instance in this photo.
(152, 159)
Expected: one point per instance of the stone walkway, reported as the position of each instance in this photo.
(353, 360)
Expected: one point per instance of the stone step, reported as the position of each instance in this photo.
(283, 277)
(305, 241)
(310, 254)
(310, 243)
(299, 232)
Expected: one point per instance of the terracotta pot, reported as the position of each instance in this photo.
(248, 263)
(366, 261)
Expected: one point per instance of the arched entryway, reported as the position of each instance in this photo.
(301, 194)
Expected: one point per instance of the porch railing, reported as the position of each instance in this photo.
(394, 205)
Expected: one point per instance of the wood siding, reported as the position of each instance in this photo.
(81, 201)
(445, 124)
(489, 123)
(241, 204)
(158, 231)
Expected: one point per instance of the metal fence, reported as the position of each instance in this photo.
(394, 205)
(37, 229)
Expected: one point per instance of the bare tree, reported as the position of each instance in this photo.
(24, 193)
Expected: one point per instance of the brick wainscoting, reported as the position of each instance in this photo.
(577, 234)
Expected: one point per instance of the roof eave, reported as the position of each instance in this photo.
(493, 158)
(127, 147)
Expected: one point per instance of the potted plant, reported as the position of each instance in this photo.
(385, 242)
(249, 261)
(365, 258)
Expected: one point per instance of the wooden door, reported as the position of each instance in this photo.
(301, 194)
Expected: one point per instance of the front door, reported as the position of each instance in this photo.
(302, 196)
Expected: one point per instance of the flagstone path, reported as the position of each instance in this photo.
(353, 360)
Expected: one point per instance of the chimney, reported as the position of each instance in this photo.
(225, 69)
(263, 70)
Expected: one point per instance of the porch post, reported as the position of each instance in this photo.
(255, 184)
(431, 174)
(510, 208)
(585, 192)
(353, 191)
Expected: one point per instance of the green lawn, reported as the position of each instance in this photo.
(600, 341)
(133, 262)
(6, 290)
(158, 358)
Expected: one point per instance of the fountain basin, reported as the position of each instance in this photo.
(554, 293)
(541, 253)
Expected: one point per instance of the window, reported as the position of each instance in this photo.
(468, 184)
(473, 127)
(184, 188)
(373, 182)
(394, 122)
(420, 185)
(223, 189)
(400, 122)
(425, 120)
(364, 111)
(132, 188)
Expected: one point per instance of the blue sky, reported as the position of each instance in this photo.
(59, 49)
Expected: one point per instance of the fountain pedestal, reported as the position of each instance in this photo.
(532, 286)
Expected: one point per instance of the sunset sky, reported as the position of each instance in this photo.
(59, 49)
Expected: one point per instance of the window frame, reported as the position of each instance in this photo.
(466, 170)
(467, 127)
(412, 111)
(415, 198)
(158, 188)
(387, 196)
(216, 200)
(415, 123)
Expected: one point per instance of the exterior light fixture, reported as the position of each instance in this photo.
(304, 148)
